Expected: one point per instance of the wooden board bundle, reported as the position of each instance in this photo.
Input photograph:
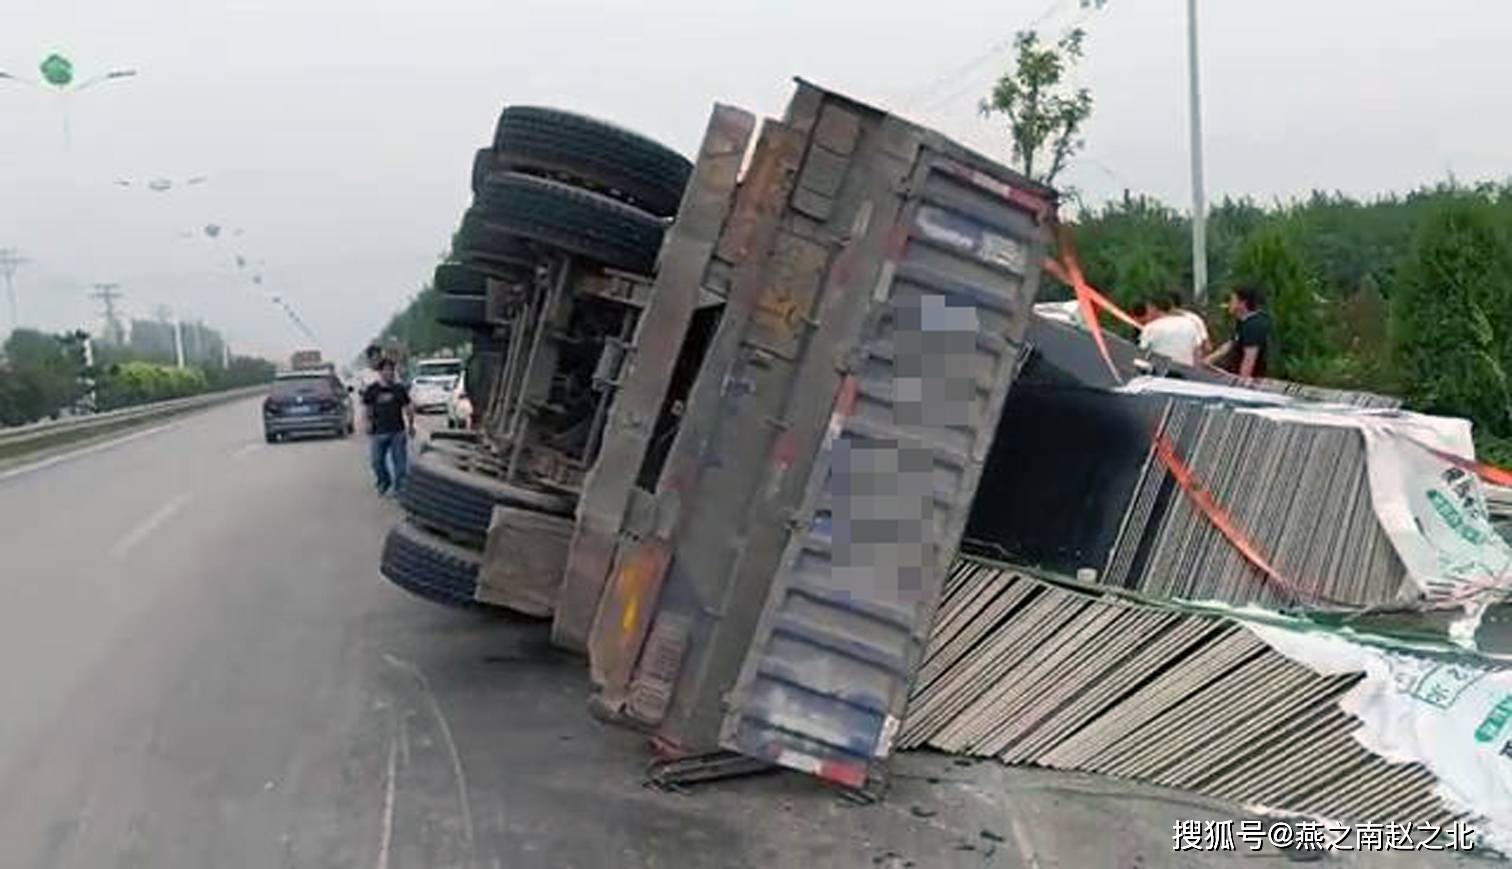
(1032, 672)
(1300, 493)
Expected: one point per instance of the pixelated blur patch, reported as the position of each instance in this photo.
(882, 525)
(935, 349)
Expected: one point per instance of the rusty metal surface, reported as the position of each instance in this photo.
(669, 307)
(875, 209)
(634, 588)
(825, 683)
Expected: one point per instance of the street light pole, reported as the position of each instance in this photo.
(65, 90)
(10, 260)
(1199, 198)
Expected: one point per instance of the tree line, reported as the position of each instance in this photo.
(44, 375)
(1409, 295)
(415, 324)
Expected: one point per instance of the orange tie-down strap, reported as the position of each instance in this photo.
(1220, 518)
(1089, 301)
(1488, 473)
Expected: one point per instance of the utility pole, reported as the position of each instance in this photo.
(10, 260)
(108, 295)
(1199, 198)
(178, 341)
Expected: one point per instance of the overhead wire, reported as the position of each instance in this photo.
(992, 52)
(972, 84)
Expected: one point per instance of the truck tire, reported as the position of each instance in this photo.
(595, 154)
(457, 279)
(464, 312)
(479, 243)
(572, 220)
(455, 451)
(469, 437)
(484, 162)
(427, 566)
(439, 494)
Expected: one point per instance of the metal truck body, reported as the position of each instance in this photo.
(772, 596)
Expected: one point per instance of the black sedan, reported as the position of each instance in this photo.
(313, 403)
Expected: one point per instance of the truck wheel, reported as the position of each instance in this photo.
(572, 220)
(458, 279)
(270, 437)
(484, 162)
(460, 503)
(427, 566)
(460, 311)
(595, 154)
(488, 247)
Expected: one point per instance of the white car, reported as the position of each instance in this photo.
(431, 394)
(459, 410)
(433, 383)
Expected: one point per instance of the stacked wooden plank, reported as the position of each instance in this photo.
(1032, 672)
(1323, 394)
(1300, 493)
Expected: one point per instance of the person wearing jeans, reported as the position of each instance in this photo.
(391, 422)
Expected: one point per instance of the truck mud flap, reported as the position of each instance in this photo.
(523, 560)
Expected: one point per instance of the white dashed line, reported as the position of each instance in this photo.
(80, 453)
(148, 525)
(245, 450)
(386, 832)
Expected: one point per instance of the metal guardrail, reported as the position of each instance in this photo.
(19, 439)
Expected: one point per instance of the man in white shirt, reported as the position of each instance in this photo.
(1170, 334)
(1178, 307)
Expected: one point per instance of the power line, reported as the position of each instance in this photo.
(108, 295)
(295, 319)
(992, 52)
(1088, 7)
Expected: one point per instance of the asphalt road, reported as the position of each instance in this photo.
(201, 667)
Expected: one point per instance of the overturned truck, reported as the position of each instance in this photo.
(729, 447)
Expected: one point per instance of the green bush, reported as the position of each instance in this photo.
(142, 382)
(1452, 317)
(39, 376)
(1403, 294)
(1271, 259)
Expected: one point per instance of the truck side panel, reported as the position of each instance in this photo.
(893, 274)
(844, 623)
(685, 255)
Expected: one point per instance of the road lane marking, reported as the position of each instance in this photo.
(148, 525)
(386, 836)
(246, 450)
(451, 747)
(80, 453)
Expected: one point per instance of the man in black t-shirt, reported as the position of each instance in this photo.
(391, 421)
(1247, 355)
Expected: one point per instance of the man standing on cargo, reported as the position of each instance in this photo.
(1247, 354)
(391, 422)
(1170, 334)
(1178, 307)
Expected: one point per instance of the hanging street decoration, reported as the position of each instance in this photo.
(57, 70)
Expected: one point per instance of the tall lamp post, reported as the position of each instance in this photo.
(1199, 198)
(58, 73)
(11, 260)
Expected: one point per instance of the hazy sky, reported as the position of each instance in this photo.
(337, 135)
